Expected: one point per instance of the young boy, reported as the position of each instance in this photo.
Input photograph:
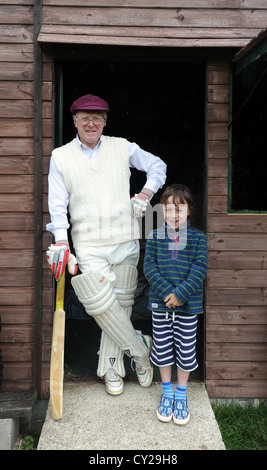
(175, 266)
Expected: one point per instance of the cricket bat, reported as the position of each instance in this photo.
(57, 353)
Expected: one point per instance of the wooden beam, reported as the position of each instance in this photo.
(255, 51)
(38, 201)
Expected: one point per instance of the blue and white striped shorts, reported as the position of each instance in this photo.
(174, 337)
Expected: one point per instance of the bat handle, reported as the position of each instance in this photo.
(60, 292)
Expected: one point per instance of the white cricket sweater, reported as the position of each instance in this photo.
(99, 193)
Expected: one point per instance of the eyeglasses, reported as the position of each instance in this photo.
(85, 120)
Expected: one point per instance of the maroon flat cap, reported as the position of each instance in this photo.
(89, 102)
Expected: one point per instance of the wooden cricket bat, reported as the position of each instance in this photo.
(57, 353)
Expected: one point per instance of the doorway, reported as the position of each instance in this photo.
(159, 103)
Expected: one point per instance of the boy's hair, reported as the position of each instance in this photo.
(180, 192)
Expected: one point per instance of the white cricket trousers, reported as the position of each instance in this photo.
(102, 258)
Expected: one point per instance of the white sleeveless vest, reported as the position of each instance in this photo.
(99, 193)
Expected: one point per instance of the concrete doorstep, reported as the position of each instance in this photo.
(94, 420)
(13, 407)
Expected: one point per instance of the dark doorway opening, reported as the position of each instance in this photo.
(159, 104)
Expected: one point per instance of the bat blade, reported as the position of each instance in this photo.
(57, 354)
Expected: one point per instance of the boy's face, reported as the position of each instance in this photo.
(175, 213)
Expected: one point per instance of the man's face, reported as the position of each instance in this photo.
(90, 126)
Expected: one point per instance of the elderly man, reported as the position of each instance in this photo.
(89, 178)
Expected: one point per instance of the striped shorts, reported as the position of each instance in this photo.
(174, 337)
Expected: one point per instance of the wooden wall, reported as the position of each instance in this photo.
(184, 23)
(16, 200)
(236, 297)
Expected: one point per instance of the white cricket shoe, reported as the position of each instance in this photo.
(143, 368)
(113, 382)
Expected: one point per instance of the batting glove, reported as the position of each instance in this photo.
(58, 256)
(140, 202)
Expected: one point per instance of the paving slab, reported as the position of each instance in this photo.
(95, 420)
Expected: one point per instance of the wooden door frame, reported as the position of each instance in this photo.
(38, 204)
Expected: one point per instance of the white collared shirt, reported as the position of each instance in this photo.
(58, 198)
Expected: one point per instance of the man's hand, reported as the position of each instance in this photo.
(58, 256)
(140, 202)
(172, 301)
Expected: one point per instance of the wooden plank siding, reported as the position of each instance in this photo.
(17, 194)
(17, 180)
(236, 300)
(236, 286)
(210, 23)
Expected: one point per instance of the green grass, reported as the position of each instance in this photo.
(27, 443)
(242, 427)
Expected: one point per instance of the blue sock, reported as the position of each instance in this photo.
(180, 392)
(167, 389)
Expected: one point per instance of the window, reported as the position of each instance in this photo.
(247, 133)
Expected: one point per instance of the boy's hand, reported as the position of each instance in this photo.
(172, 301)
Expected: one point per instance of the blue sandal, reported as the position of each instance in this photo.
(181, 414)
(165, 409)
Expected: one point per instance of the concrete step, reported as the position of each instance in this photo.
(13, 406)
(94, 420)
